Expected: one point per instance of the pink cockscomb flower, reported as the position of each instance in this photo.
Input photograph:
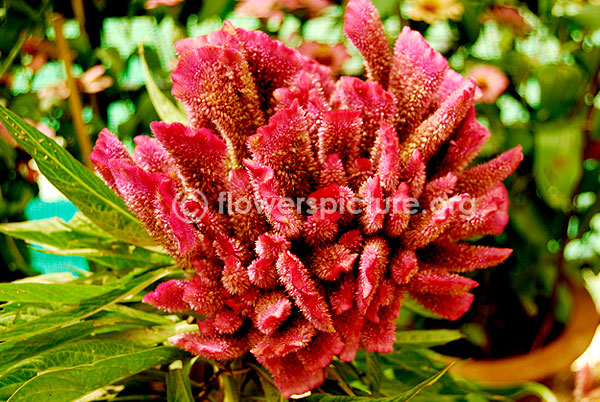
(304, 208)
(491, 81)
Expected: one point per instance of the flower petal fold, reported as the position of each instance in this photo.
(220, 348)
(199, 155)
(302, 288)
(168, 296)
(416, 73)
(363, 27)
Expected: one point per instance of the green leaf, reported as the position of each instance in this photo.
(416, 308)
(70, 314)
(414, 363)
(270, 392)
(166, 110)
(152, 335)
(386, 7)
(426, 338)
(95, 366)
(14, 52)
(557, 164)
(68, 355)
(120, 256)
(82, 238)
(222, 9)
(561, 85)
(140, 315)
(404, 396)
(86, 190)
(15, 350)
(137, 257)
(53, 232)
(530, 223)
(49, 292)
(408, 395)
(178, 383)
(588, 16)
(14, 314)
(374, 372)
(19, 349)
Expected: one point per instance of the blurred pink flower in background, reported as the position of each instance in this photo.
(91, 82)
(151, 4)
(332, 56)
(507, 16)
(491, 81)
(40, 50)
(94, 80)
(275, 8)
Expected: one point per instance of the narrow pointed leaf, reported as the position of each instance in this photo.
(404, 396)
(426, 338)
(82, 238)
(85, 309)
(19, 349)
(178, 384)
(166, 110)
(49, 292)
(86, 190)
(78, 381)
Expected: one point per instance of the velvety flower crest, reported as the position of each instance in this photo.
(304, 209)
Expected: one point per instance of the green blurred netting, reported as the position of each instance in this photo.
(118, 113)
(70, 30)
(195, 27)
(125, 34)
(488, 44)
(511, 110)
(52, 73)
(21, 81)
(441, 36)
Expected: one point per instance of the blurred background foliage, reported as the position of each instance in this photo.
(536, 62)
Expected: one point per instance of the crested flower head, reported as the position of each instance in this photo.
(305, 209)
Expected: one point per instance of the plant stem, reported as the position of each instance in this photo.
(75, 104)
(79, 11)
(227, 385)
(13, 53)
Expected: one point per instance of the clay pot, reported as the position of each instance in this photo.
(546, 361)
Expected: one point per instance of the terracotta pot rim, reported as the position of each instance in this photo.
(546, 361)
